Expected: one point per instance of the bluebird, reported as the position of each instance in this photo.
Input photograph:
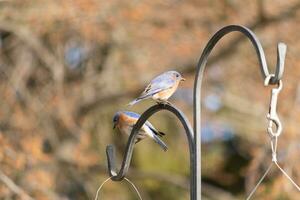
(161, 87)
(125, 120)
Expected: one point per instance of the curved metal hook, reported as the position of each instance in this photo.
(110, 152)
(281, 52)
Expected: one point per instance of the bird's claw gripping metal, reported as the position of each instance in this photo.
(272, 115)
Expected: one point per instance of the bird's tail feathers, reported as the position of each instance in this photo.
(159, 133)
(160, 142)
(142, 97)
(135, 101)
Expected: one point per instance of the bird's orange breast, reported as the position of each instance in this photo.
(165, 94)
(126, 120)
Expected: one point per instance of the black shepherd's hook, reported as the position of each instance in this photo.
(281, 51)
(195, 142)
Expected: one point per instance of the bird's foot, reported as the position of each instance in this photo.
(163, 102)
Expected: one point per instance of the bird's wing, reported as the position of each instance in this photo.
(147, 123)
(154, 130)
(132, 114)
(158, 84)
(134, 117)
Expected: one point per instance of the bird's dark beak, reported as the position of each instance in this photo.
(182, 79)
(114, 126)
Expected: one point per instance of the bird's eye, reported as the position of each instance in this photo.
(177, 75)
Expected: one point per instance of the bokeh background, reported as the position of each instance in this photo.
(67, 66)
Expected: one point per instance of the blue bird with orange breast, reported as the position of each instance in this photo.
(125, 120)
(161, 87)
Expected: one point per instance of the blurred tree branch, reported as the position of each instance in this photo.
(14, 187)
(36, 45)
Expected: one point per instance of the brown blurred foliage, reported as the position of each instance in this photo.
(67, 66)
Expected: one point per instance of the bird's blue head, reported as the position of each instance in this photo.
(176, 75)
(116, 119)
